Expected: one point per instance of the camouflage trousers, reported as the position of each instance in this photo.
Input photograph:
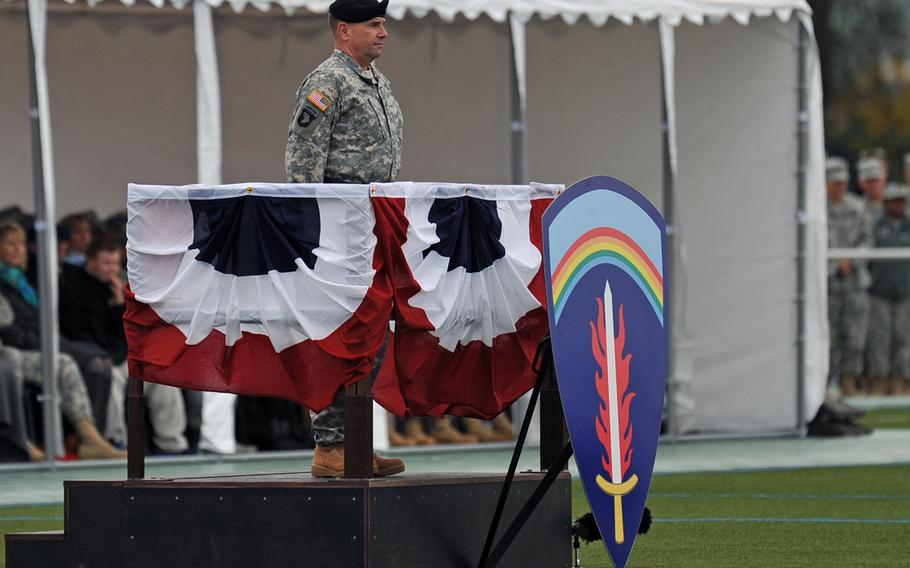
(888, 342)
(165, 407)
(74, 399)
(848, 320)
(328, 424)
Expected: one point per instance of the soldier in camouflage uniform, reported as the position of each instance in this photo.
(849, 226)
(888, 343)
(873, 176)
(346, 128)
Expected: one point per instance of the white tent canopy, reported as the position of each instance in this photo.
(591, 80)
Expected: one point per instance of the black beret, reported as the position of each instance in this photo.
(353, 11)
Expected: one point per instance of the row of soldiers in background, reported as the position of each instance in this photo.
(868, 301)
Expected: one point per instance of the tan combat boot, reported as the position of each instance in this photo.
(503, 428)
(396, 438)
(444, 433)
(383, 467)
(328, 461)
(476, 427)
(92, 446)
(876, 386)
(849, 386)
(413, 429)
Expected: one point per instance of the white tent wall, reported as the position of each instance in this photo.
(456, 114)
(122, 97)
(737, 191)
(16, 186)
(601, 114)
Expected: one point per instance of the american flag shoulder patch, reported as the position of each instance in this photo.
(319, 100)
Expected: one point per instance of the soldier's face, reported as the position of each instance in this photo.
(366, 39)
(873, 189)
(836, 190)
(896, 208)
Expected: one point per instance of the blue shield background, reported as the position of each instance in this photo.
(602, 201)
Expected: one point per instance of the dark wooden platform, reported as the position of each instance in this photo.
(292, 519)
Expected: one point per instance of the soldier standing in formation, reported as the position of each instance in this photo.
(346, 128)
(888, 346)
(849, 226)
(872, 177)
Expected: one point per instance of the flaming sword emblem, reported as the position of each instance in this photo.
(614, 429)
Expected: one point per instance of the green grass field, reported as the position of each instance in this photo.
(888, 418)
(857, 516)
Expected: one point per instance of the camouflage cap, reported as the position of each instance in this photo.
(354, 11)
(874, 152)
(836, 169)
(870, 168)
(896, 191)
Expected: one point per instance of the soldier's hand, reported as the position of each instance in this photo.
(844, 267)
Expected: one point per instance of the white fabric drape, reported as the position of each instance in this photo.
(208, 97)
(38, 15)
(597, 11)
(48, 257)
(520, 58)
(680, 372)
(816, 294)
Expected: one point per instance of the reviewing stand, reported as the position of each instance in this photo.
(281, 519)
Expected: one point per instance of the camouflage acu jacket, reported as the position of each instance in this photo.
(849, 226)
(346, 128)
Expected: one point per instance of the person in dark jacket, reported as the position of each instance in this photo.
(91, 311)
(91, 301)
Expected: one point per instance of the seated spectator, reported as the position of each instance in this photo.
(91, 311)
(20, 336)
(93, 362)
(78, 229)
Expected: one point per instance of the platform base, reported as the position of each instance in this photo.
(281, 520)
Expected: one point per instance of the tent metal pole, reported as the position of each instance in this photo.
(802, 138)
(668, 218)
(517, 124)
(47, 273)
(672, 426)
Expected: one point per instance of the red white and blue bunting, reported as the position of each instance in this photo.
(287, 290)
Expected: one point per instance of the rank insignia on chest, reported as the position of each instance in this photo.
(319, 100)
